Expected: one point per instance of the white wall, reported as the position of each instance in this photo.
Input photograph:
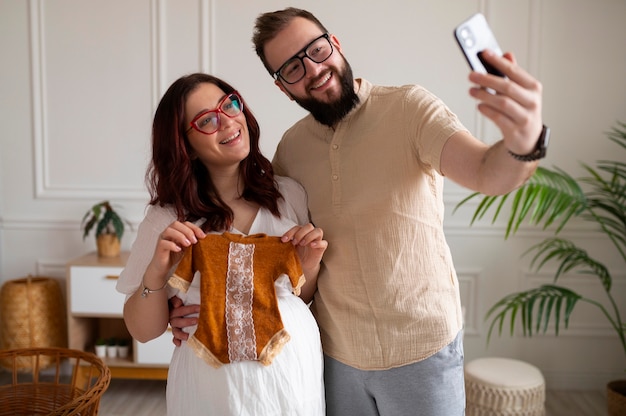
(79, 82)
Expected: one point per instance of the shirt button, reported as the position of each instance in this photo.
(335, 146)
(335, 177)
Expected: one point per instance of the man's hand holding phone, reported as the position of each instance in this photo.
(512, 99)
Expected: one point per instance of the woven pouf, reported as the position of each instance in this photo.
(32, 314)
(503, 387)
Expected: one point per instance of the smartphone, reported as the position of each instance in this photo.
(473, 36)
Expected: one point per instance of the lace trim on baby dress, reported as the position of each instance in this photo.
(239, 293)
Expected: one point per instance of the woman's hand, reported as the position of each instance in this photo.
(169, 248)
(310, 244)
(146, 313)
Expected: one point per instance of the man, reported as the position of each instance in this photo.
(372, 160)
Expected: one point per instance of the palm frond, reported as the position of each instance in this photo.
(606, 202)
(617, 134)
(483, 206)
(547, 197)
(535, 308)
(613, 167)
(571, 258)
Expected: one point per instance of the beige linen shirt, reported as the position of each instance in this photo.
(388, 293)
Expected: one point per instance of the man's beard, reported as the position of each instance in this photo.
(330, 114)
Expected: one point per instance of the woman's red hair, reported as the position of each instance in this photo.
(175, 178)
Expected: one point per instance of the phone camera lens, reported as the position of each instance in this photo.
(468, 38)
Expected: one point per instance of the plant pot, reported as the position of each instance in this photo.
(616, 397)
(101, 351)
(122, 351)
(108, 245)
(111, 351)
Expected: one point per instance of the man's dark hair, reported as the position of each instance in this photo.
(267, 25)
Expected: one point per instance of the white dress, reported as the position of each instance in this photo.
(291, 385)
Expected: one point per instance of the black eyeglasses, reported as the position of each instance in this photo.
(208, 122)
(317, 51)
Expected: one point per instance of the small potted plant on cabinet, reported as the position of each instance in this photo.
(122, 348)
(109, 228)
(111, 348)
(101, 348)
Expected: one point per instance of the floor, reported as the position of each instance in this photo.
(576, 403)
(147, 398)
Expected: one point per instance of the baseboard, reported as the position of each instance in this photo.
(562, 380)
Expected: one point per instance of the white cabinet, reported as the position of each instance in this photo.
(93, 291)
(94, 310)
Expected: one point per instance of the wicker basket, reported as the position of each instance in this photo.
(32, 314)
(53, 393)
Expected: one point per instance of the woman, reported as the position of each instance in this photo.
(208, 177)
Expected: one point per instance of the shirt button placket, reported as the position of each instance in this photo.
(334, 165)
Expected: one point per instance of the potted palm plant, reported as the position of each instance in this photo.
(552, 197)
(109, 228)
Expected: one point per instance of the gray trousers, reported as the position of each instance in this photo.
(432, 387)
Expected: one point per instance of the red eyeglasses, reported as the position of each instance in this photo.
(209, 121)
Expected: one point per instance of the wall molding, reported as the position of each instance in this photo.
(44, 188)
(534, 37)
(46, 224)
(579, 380)
(51, 268)
(452, 229)
(157, 43)
(207, 40)
(469, 282)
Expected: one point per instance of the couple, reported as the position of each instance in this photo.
(367, 167)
